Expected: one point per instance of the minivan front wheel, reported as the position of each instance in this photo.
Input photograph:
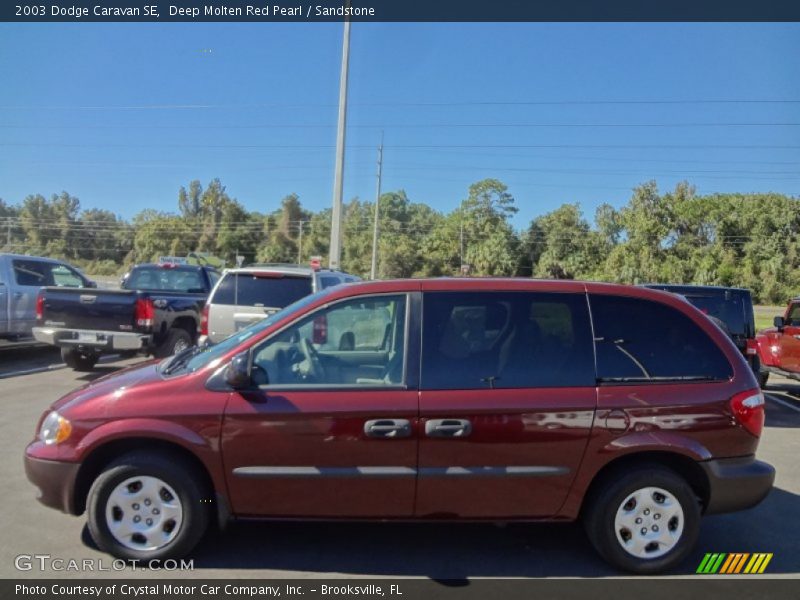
(644, 521)
(145, 507)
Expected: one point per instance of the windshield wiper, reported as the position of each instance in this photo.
(178, 360)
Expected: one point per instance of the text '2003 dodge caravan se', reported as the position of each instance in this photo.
(462, 399)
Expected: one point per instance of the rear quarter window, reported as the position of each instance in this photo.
(641, 340)
(269, 291)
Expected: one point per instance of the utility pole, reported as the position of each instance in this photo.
(338, 178)
(373, 270)
(300, 243)
(461, 238)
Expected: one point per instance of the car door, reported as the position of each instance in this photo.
(507, 398)
(314, 441)
(788, 340)
(30, 275)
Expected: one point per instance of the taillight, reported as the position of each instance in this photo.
(752, 347)
(145, 312)
(748, 408)
(40, 307)
(204, 321)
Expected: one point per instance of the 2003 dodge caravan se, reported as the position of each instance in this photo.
(463, 399)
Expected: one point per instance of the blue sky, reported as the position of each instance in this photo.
(122, 115)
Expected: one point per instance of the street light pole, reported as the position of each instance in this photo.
(373, 270)
(338, 180)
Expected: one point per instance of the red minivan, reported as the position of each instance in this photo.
(441, 399)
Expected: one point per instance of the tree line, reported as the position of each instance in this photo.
(747, 240)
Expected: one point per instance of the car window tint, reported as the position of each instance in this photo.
(213, 277)
(478, 340)
(32, 273)
(357, 342)
(262, 290)
(640, 340)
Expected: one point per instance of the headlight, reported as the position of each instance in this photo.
(55, 429)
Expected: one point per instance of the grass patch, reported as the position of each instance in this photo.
(765, 314)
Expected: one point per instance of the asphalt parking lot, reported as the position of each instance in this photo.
(31, 378)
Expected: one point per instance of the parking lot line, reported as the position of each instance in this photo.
(790, 405)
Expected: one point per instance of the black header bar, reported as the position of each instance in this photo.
(279, 11)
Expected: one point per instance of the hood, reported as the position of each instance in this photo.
(108, 384)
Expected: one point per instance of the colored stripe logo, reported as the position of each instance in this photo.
(734, 563)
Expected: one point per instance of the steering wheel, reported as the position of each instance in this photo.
(315, 368)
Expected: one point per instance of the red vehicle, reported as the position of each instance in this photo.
(779, 346)
(461, 399)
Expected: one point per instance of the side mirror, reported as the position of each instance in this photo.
(237, 373)
(91, 284)
(778, 322)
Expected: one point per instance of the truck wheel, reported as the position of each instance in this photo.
(177, 339)
(644, 521)
(763, 377)
(147, 506)
(77, 360)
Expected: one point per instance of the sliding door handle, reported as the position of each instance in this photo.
(448, 428)
(388, 428)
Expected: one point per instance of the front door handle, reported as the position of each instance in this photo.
(388, 428)
(449, 428)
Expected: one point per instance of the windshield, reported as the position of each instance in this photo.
(204, 356)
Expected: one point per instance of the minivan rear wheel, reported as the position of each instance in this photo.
(644, 521)
(147, 506)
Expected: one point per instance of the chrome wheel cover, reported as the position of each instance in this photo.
(144, 513)
(649, 523)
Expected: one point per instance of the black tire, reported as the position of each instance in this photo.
(77, 360)
(763, 377)
(182, 477)
(601, 511)
(175, 340)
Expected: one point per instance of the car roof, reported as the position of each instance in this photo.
(286, 269)
(23, 256)
(692, 286)
(456, 284)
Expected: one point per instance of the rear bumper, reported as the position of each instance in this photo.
(97, 340)
(737, 483)
(55, 482)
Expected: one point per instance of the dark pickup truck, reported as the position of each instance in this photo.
(157, 311)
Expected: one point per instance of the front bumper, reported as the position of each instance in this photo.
(737, 483)
(97, 340)
(55, 481)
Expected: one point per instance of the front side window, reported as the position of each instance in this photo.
(359, 342)
(639, 340)
(484, 340)
(793, 318)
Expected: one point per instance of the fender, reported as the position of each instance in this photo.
(664, 442)
(765, 340)
(201, 447)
